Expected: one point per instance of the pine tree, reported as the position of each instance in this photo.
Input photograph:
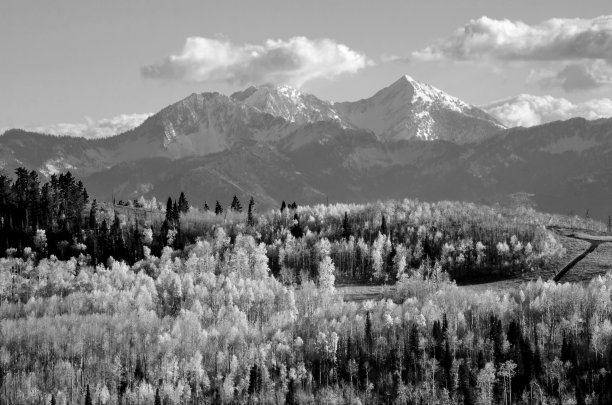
(346, 227)
(169, 211)
(183, 204)
(290, 398)
(368, 333)
(250, 220)
(92, 215)
(176, 213)
(296, 229)
(88, 397)
(254, 380)
(383, 226)
(206, 207)
(283, 206)
(139, 373)
(236, 206)
(218, 209)
(157, 397)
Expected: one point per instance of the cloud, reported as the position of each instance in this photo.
(294, 61)
(528, 110)
(551, 40)
(576, 77)
(93, 129)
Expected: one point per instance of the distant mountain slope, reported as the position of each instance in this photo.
(408, 140)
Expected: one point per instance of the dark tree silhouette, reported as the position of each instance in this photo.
(183, 204)
(236, 206)
(218, 209)
(250, 220)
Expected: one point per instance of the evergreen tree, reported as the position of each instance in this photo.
(383, 226)
(88, 397)
(254, 380)
(250, 220)
(169, 211)
(346, 227)
(296, 229)
(236, 206)
(139, 373)
(218, 209)
(183, 204)
(465, 385)
(368, 333)
(157, 397)
(206, 207)
(176, 213)
(92, 215)
(290, 398)
(283, 206)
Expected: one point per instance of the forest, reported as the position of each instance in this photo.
(146, 303)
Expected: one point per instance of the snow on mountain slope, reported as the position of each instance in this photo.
(288, 103)
(209, 123)
(409, 109)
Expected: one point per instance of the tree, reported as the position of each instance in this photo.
(183, 204)
(206, 207)
(236, 206)
(346, 227)
(290, 397)
(296, 229)
(506, 372)
(169, 211)
(326, 274)
(383, 226)
(485, 381)
(157, 397)
(368, 332)
(283, 206)
(176, 213)
(88, 397)
(218, 209)
(93, 223)
(250, 220)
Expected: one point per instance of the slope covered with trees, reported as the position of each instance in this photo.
(173, 304)
(209, 324)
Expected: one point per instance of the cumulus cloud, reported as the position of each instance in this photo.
(528, 110)
(92, 129)
(294, 61)
(576, 77)
(554, 39)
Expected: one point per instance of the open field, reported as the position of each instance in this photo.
(595, 264)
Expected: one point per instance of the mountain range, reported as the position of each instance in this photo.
(409, 139)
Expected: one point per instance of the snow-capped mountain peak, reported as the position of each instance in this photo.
(409, 109)
(288, 103)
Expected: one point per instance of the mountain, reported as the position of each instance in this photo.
(275, 143)
(288, 103)
(409, 110)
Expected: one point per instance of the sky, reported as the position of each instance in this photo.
(92, 68)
